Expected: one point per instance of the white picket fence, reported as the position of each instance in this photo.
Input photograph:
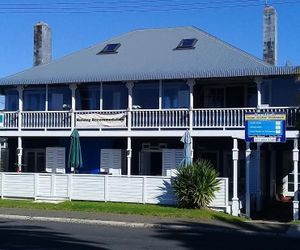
(88, 187)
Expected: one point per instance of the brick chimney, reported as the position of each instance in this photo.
(42, 44)
(270, 35)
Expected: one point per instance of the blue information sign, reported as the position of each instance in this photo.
(265, 127)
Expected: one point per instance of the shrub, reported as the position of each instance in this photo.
(195, 185)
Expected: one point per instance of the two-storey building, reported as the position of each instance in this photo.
(133, 97)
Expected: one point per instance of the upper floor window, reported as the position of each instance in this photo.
(34, 98)
(59, 97)
(115, 96)
(10, 99)
(88, 97)
(146, 95)
(175, 94)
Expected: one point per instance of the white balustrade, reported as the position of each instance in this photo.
(160, 118)
(10, 120)
(46, 119)
(148, 118)
(234, 117)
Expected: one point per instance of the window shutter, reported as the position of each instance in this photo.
(171, 161)
(111, 161)
(56, 160)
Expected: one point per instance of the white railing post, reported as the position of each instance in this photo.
(160, 95)
(191, 84)
(73, 104)
(235, 158)
(129, 85)
(258, 81)
(296, 186)
(20, 91)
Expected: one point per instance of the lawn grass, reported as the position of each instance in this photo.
(123, 208)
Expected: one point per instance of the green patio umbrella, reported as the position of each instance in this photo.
(75, 156)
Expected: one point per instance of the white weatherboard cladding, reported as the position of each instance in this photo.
(111, 161)
(171, 161)
(56, 160)
(88, 187)
(125, 189)
(19, 185)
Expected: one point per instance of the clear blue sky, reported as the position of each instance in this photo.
(240, 26)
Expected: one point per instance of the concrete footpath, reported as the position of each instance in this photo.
(121, 220)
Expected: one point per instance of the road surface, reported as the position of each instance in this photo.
(55, 235)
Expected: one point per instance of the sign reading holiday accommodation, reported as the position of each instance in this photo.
(265, 127)
(100, 120)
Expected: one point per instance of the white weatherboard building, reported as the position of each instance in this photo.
(131, 99)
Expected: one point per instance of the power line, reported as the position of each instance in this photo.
(95, 7)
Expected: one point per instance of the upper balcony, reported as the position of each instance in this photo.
(145, 119)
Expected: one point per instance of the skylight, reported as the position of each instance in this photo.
(187, 43)
(110, 48)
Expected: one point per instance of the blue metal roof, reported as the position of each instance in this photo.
(149, 55)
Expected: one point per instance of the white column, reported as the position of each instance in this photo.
(129, 154)
(258, 82)
(258, 176)
(20, 154)
(73, 104)
(160, 95)
(248, 197)
(130, 87)
(191, 84)
(101, 96)
(20, 91)
(235, 158)
(296, 192)
(46, 99)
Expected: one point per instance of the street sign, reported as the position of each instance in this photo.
(265, 127)
(1, 120)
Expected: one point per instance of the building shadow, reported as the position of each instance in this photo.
(16, 236)
(195, 236)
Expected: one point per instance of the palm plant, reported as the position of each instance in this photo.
(196, 184)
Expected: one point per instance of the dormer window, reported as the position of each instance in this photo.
(110, 48)
(187, 43)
